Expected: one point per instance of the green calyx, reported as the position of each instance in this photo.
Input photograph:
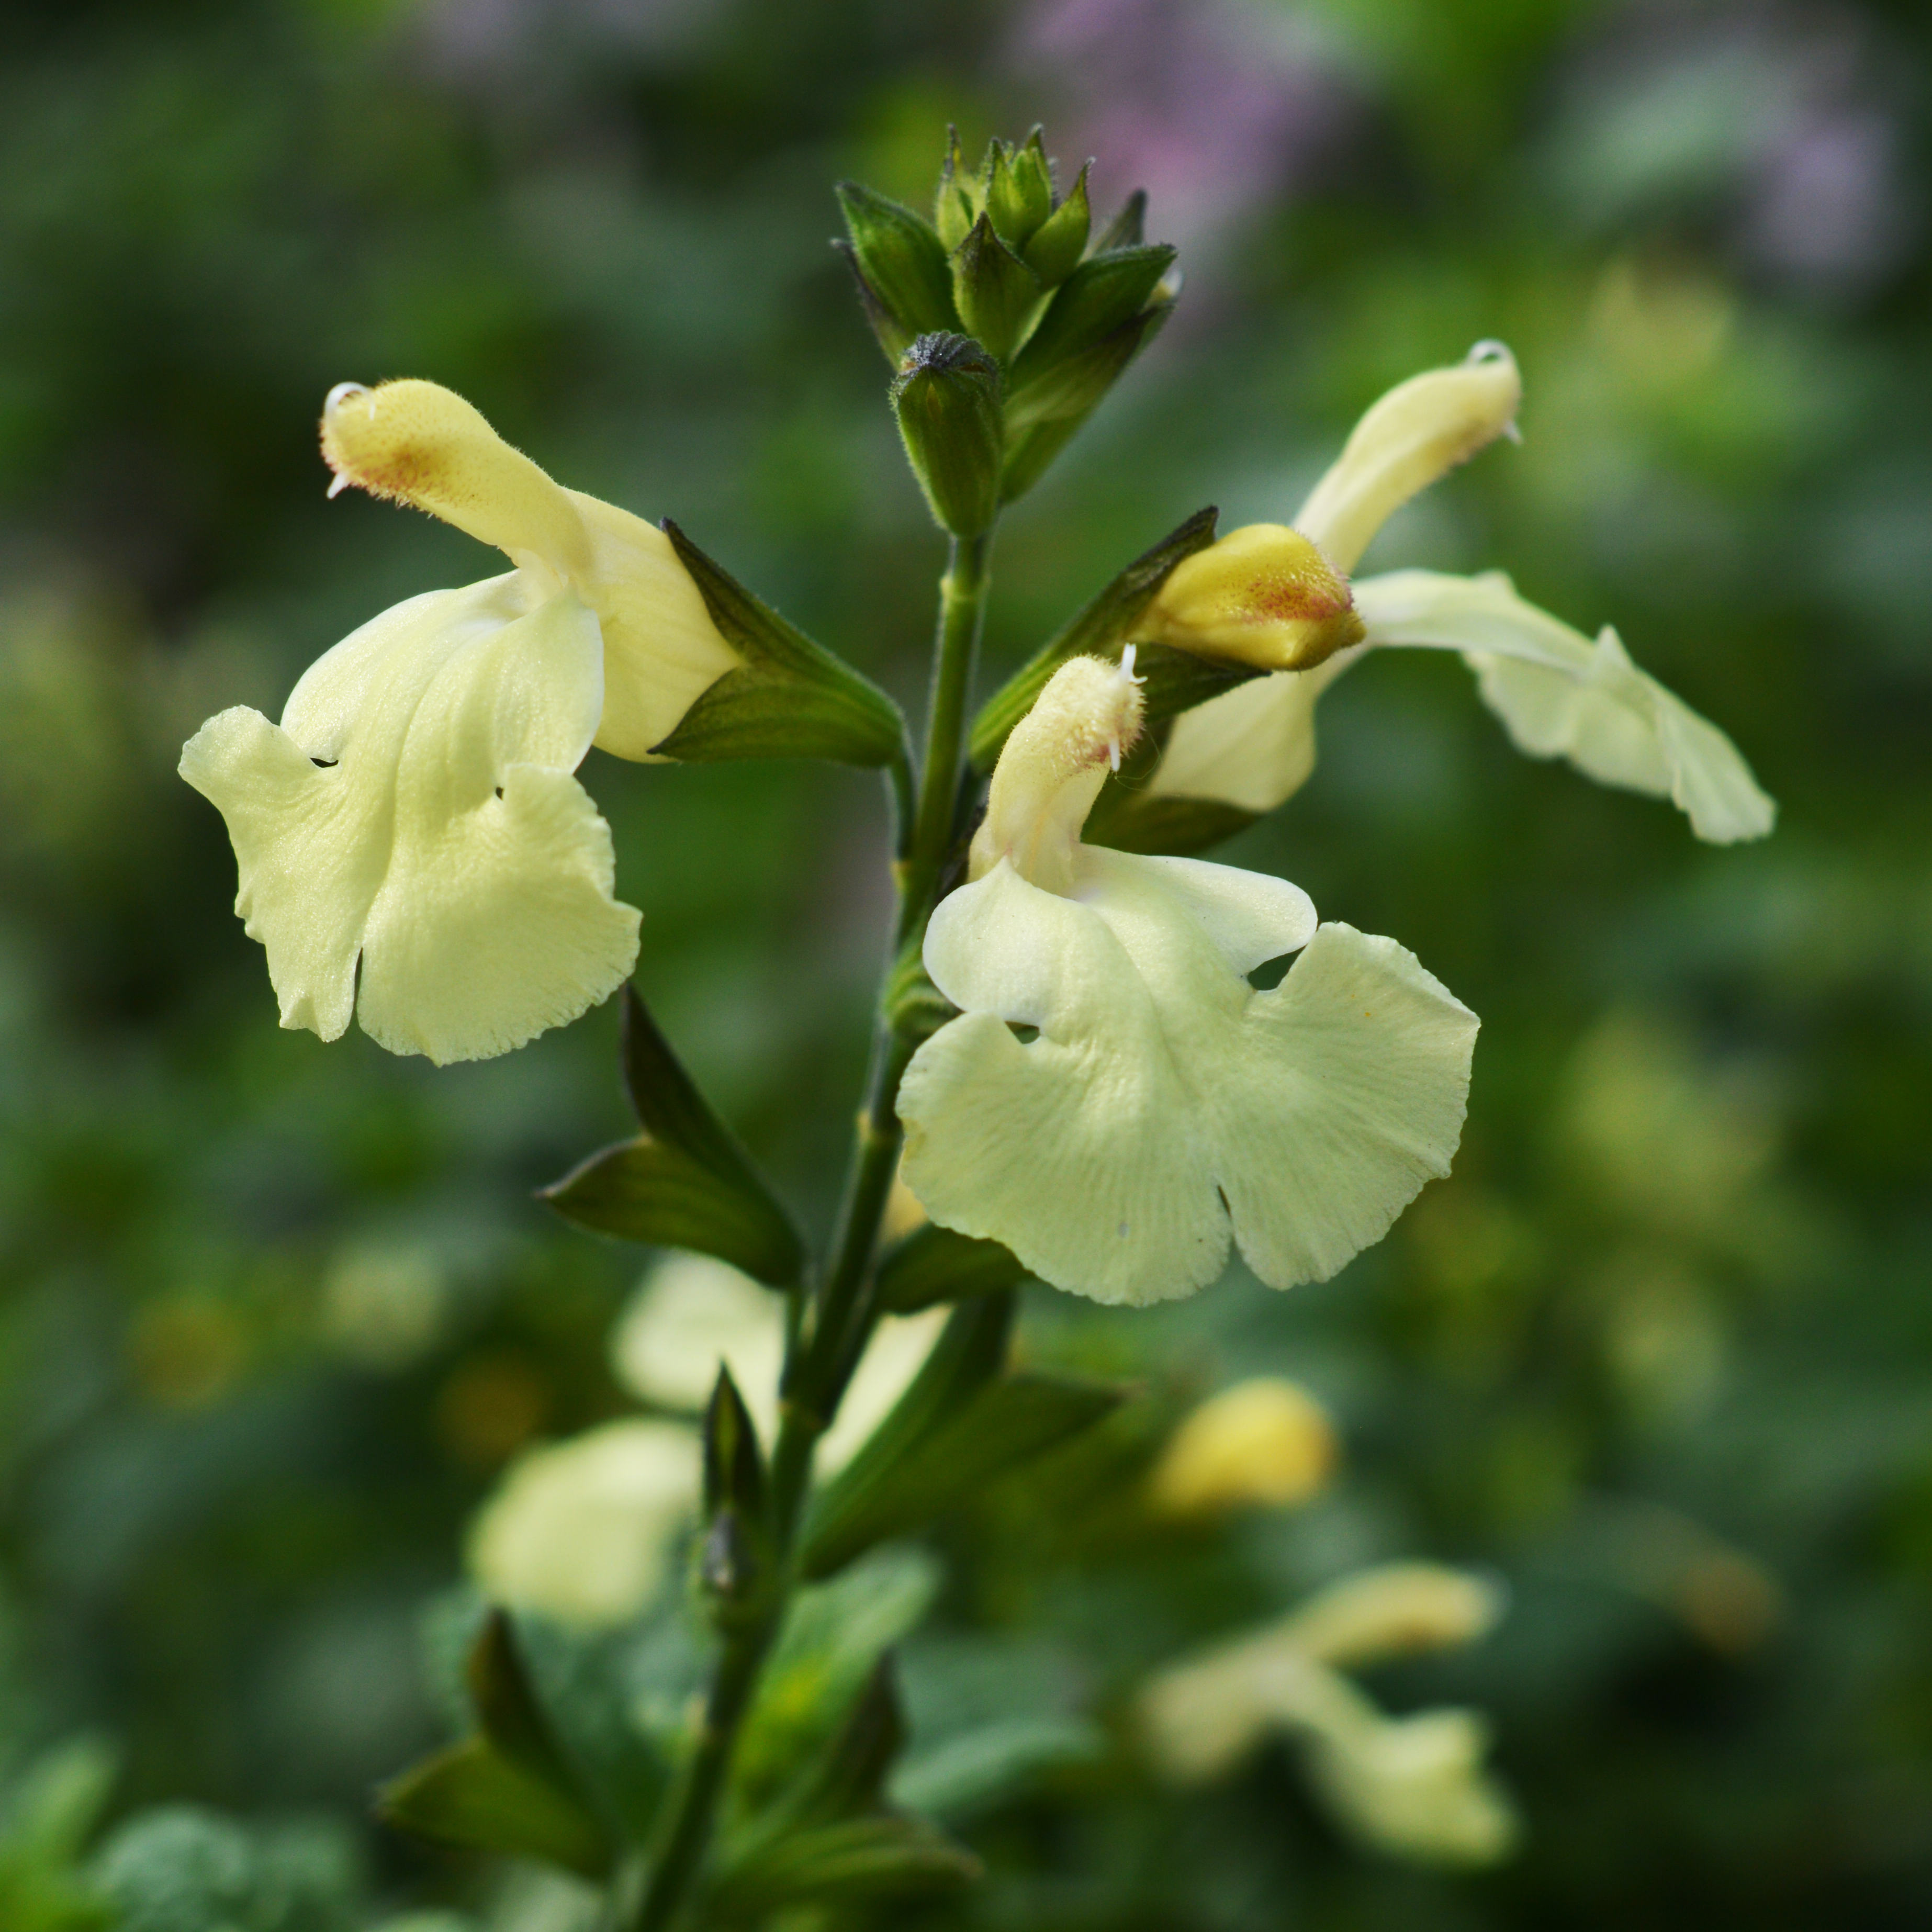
(1016, 267)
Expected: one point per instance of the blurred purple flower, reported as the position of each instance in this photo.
(1211, 105)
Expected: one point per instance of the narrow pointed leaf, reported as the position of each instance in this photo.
(850, 1776)
(1099, 630)
(683, 1183)
(791, 698)
(734, 1473)
(508, 1709)
(859, 1859)
(470, 1795)
(1014, 1420)
(934, 1265)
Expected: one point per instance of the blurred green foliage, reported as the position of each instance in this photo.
(274, 1314)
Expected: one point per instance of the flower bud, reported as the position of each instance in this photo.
(996, 294)
(900, 261)
(1059, 241)
(418, 443)
(1019, 190)
(946, 398)
(1394, 1610)
(1055, 763)
(1264, 1440)
(1417, 432)
(1263, 595)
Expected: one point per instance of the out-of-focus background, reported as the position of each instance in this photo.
(276, 1316)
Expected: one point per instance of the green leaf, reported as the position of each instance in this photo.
(507, 1707)
(850, 1776)
(685, 1182)
(996, 293)
(933, 1265)
(859, 1859)
(904, 279)
(965, 1773)
(835, 1633)
(791, 698)
(1174, 681)
(1019, 1417)
(472, 1796)
(1099, 631)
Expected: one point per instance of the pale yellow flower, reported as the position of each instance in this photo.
(1265, 1441)
(1416, 1787)
(1558, 693)
(413, 846)
(587, 1530)
(692, 1314)
(1166, 1107)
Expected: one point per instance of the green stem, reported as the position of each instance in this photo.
(819, 1354)
(962, 605)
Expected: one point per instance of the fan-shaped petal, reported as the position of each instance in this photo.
(1165, 1106)
(1561, 696)
(415, 813)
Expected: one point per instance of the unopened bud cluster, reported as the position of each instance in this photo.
(1013, 265)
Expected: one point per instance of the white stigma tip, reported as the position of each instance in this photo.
(340, 483)
(1511, 431)
(1114, 753)
(340, 394)
(1127, 665)
(1488, 350)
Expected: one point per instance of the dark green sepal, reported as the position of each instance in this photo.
(1128, 229)
(933, 1265)
(789, 698)
(1058, 244)
(1129, 821)
(1174, 681)
(472, 1796)
(1104, 291)
(946, 398)
(734, 1468)
(996, 293)
(900, 263)
(1099, 630)
(684, 1182)
(1019, 190)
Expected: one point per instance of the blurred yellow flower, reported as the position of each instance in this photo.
(586, 1530)
(412, 844)
(1558, 693)
(692, 1313)
(1417, 1786)
(1166, 1107)
(1265, 1441)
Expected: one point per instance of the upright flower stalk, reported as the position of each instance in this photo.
(1072, 1071)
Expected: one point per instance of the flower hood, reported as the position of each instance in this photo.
(411, 843)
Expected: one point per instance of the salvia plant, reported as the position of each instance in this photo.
(1072, 1075)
